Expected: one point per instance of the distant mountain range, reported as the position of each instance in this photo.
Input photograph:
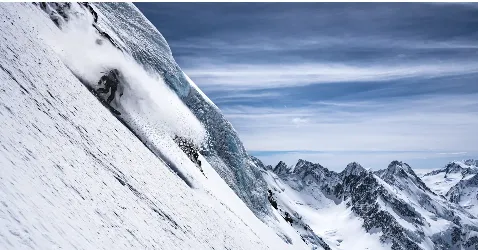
(390, 208)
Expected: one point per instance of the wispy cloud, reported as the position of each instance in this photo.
(452, 153)
(426, 124)
(243, 77)
(317, 41)
(226, 97)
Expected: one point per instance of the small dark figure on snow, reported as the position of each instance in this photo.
(190, 149)
(110, 81)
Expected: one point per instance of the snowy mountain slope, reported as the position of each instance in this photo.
(439, 216)
(391, 208)
(457, 182)
(441, 180)
(308, 206)
(223, 148)
(73, 176)
(465, 193)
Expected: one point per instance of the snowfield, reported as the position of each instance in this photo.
(74, 177)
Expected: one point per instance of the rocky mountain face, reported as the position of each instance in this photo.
(465, 193)
(464, 168)
(455, 192)
(456, 182)
(393, 202)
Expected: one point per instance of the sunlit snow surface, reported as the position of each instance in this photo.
(72, 176)
(440, 181)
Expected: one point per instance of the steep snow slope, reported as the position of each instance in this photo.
(223, 148)
(74, 177)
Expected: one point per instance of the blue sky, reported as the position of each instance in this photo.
(335, 82)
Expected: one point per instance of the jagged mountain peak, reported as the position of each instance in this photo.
(400, 174)
(394, 201)
(306, 170)
(281, 168)
(398, 166)
(453, 167)
(304, 164)
(471, 162)
(464, 167)
(353, 168)
(299, 168)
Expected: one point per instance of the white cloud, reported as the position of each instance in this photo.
(246, 44)
(235, 96)
(432, 124)
(265, 76)
(298, 121)
(452, 153)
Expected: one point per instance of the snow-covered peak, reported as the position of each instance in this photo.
(313, 173)
(300, 163)
(353, 168)
(401, 175)
(471, 162)
(393, 203)
(398, 167)
(281, 168)
(466, 166)
(441, 180)
(453, 167)
(303, 165)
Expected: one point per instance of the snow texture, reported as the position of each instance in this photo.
(73, 176)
